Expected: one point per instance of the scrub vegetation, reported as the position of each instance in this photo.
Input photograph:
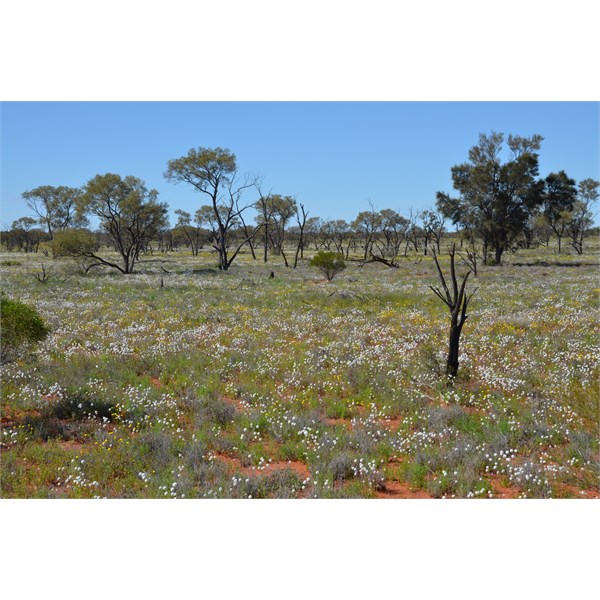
(236, 384)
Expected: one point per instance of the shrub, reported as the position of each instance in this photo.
(215, 410)
(80, 406)
(73, 242)
(21, 326)
(159, 445)
(341, 466)
(45, 427)
(73, 417)
(78, 244)
(283, 483)
(329, 263)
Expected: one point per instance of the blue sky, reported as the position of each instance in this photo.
(332, 156)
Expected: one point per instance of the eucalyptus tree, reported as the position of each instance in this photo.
(413, 233)
(385, 247)
(128, 212)
(343, 236)
(368, 224)
(541, 231)
(393, 229)
(582, 215)
(213, 173)
(496, 197)
(24, 235)
(283, 209)
(559, 196)
(325, 233)
(55, 207)
(264, 208)
(312, 231)
(432, 225)
(192, 232)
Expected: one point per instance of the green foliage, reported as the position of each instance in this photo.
(203, 168)
(25, 223)
(329, 263)
(128, 212)
(496, 198)
(581, 218)
(559, 196)
(55, 206)
(213, 172)
(23, 235)
(21, 326)
(73, 242)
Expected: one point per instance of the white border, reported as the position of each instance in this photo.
(309, 50)
(326, 50)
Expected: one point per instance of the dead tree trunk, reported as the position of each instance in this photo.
(471, 260)
(301, 220)
(457, 302)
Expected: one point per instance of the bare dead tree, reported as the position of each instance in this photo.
(301, 215)
(192, 233)
(44, 275)
(264, 208)
(412, 233)
(457, 302)
(391, 262)
(470, 260)
(248, 233)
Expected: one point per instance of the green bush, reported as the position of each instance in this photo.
(73, 242)
(20, 326)
(329, 263)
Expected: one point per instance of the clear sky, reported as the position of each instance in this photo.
(332, 156)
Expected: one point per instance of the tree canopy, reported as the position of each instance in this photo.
(558, 199)
(213, 172)
(496, 196)
(501, 204)
(55, 206)
(129, 213)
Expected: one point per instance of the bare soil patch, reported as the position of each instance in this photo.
(237, 402)
(503, 491)
(236, 466)
(400, 490)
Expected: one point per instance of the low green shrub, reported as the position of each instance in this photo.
(329, 263)
(21, 326)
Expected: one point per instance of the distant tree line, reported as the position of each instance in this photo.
(501, 205)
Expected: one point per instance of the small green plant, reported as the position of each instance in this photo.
(329, 263)
(20, 326)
